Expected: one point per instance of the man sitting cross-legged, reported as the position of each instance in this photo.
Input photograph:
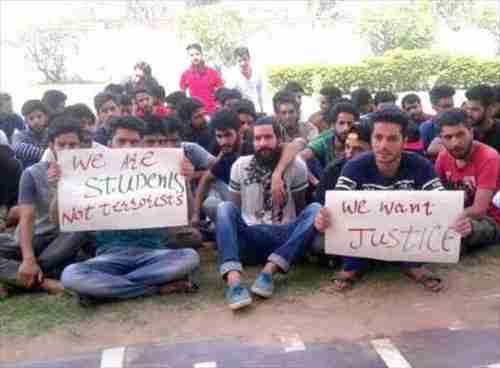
(388, 167)
(34, 257)
(254, 230)
(131, 263)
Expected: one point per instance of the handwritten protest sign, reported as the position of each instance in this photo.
(394, 225)
(121, 189)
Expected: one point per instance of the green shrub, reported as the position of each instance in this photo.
(397, 70)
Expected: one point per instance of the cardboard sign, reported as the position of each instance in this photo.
(121, 189)
(412, 226)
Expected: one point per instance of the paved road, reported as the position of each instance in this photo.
(427, 349)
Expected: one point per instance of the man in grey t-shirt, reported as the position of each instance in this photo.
(253, 229)
(34, 257)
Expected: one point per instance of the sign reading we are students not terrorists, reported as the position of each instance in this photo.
(412, 226)
(121, 189)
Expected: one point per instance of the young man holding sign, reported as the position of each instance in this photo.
(473, 167)
(388, 167)
(35, 256)
(131, 263)
(252, 228)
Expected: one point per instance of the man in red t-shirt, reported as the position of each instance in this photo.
(145, 104)
(200, 80)
(473, 167)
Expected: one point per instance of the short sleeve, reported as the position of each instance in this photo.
(488, 174)
(298, 176)
(199, 157)
(27, 188)
(349, 177)
(235, 180)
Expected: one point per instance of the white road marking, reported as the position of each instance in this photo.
(292, 343)
(113, 358)
(492, 296)
(205, 365)
(456, 326)
(390, 354)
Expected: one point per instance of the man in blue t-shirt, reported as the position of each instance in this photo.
(213, 188)
(131, 263)
(387, 167)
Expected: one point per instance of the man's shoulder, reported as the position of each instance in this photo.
(243, 160)
(362, 161)
(414, 160)
(485, 152)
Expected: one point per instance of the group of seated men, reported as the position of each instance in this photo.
(259, 181)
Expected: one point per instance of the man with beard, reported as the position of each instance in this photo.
(481, 108)
(107, 107)
(213, 187)
(387, 167)
(473, 167)
(200, 80)
(252, 229)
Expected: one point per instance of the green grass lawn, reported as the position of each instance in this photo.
(31, 314)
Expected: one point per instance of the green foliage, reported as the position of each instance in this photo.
(405, 26)
(488, 19)
(218, 29)
(397, 70)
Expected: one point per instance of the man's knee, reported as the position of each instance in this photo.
(226, 209)
(73, 275)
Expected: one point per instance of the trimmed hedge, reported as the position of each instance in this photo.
(397, 70)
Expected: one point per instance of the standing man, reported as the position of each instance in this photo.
(200, 80)
(247, 79)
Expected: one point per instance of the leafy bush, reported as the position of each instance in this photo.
(397, 70)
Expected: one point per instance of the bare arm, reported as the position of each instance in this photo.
(236, 198)
(30, 273)
(201, 194)
(481, 203)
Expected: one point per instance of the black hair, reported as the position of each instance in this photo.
(496, 89)
(63, 124)
(392, 115)
(158, 91)
(102, 97)
(410, 98)
(154, 125)
(145, 67)
(173, 125)
(269, 120)
(142, 90)
(187, 108)
(126, 100)
(362, 131)
(53, 97)
(294, 87)
(242, 52)
(385, 96)
(229, 94)
(439, 92)
(245, 106)
(33, 105)
(331, 92)
(331, 116)
(127, 122)
(452, 117)
(218, 94)
(80, 111)
(483, 93)
(282, 97)
(195, 46)
(361, 97)
(224, 120)
(115, 89)
(174, 98)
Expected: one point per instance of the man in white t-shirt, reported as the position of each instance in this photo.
(247, 79)
(251, 229)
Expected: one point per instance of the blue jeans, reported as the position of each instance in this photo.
(218, 193)
(255, 244)
(122, 273)
(358, 264)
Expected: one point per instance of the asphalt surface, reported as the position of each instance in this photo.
(427, 349)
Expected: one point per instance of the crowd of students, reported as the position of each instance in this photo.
(257, 181)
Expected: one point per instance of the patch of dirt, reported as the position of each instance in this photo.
(375, 307)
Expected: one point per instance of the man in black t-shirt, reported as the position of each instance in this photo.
(388, 167)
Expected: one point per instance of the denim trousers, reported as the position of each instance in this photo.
(123, 273)
(239, 242)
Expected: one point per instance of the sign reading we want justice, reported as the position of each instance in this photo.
(119, 189)
(409, 226)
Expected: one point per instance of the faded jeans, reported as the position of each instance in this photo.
(239, 242)
(123, 273)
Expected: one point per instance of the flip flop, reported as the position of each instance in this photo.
(425, 279)
(350, 281)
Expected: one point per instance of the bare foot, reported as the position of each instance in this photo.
(52, 286)
(344, 280)
(180, 286)
(425, 277)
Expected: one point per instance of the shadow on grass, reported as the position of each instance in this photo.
(32, 314)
